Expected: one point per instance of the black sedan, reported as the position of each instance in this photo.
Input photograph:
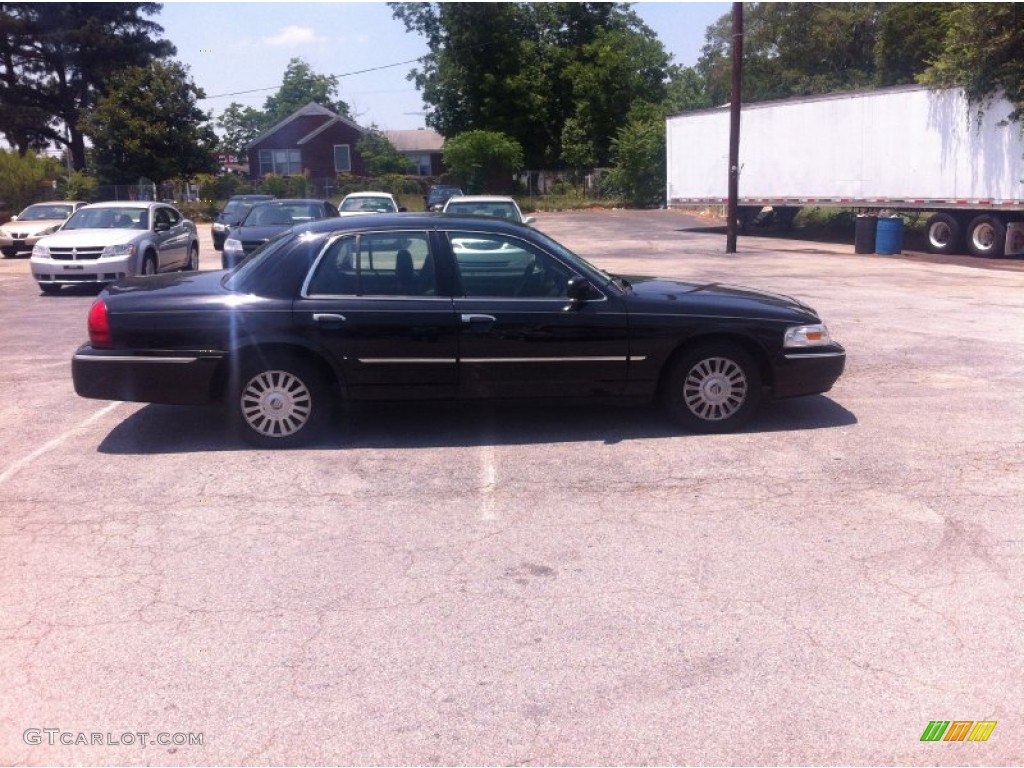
(424, 307)
(264, 220)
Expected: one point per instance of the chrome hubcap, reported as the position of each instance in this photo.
(276, 403)
(715, 388)
(984, 236)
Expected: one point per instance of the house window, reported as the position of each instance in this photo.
(420, 164)
(283, 162)
(342, 158)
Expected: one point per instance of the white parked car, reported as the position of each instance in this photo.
(369, 202)
(23, 231)
(499, 207)
(104, 242)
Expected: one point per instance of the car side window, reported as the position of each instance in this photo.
(502, 266)
(172, 216)
(382, 264)
(160, 216)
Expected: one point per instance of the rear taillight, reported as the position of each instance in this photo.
(99, 325)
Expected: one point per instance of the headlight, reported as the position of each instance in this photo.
(124, 249)
(233, 247)
(41, 250)
(807, 336)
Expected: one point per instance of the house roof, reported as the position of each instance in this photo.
(421, 140)
(310, 110)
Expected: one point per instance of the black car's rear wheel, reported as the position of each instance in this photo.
(713, 388)
(281, 403)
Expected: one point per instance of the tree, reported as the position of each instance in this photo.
(793, 49)
(380, 156)
(983, 52)
(476, 156)
(55, 61)
(525, 69)
(638, 154)
(909, 36)
(23, 176)
(300, 86)
(148, 125)
(241, 127)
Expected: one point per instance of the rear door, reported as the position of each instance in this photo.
(372, 301)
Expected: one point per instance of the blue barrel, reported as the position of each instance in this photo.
(889, 236)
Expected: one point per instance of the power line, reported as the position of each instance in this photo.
(346, 74)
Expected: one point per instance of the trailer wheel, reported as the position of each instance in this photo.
(986, 236)
(945, 234)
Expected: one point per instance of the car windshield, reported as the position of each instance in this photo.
(44, 212)
(499, 209)
(281, 214)
(443, 193)
(375, 204)
(109, 218)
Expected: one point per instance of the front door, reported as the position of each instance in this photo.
(520, 336)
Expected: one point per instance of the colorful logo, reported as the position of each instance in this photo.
(958, 730)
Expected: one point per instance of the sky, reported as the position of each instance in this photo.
(238, 51)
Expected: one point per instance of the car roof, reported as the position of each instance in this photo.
(481, 199)
(126, 204)
(368, 194)
(399, 221)
(291, 201)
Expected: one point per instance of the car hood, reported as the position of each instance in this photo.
(715, 299)
(84, 238)
(33, 227)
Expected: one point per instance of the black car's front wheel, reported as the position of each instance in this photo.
(281, 403)
(713, 388)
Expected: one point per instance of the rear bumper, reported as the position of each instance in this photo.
(808, 372)
(172, 378)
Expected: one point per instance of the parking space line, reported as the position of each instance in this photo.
(14, 468)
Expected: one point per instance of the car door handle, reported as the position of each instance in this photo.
(327, 317)
(478, 323)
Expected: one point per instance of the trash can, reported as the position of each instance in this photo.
(864, 233)
(889, 236)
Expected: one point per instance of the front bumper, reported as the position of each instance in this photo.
(171, 378)
(808, 371)
(81, 271)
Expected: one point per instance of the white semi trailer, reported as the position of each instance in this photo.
(902, 148)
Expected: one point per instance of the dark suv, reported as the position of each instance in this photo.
(438, 195)
(232, 213)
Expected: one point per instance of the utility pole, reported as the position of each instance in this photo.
(732, 210)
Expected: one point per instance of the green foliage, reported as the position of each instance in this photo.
(283, 186)
(24, 179)
(983, 52)
(380, 156)
(148, 125)
(299, 86)
(639, 156)
(241, 126)
(56, 60)
(79, 185)
(474, 156)
(526, 69)
(221, 188)
(909, 35)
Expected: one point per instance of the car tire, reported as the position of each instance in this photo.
(944, 233)
(149, 264)
(280, 402)
(986, 236)
(50, 289)
(712, 388)
(193, 259)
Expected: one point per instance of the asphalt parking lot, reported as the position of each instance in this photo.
(534, 585)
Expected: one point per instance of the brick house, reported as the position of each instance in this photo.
(319, 143)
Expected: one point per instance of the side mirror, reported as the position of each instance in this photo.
(529, 220)
(402, 209)
(14, 218)
(578, 289)
(161, 226)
